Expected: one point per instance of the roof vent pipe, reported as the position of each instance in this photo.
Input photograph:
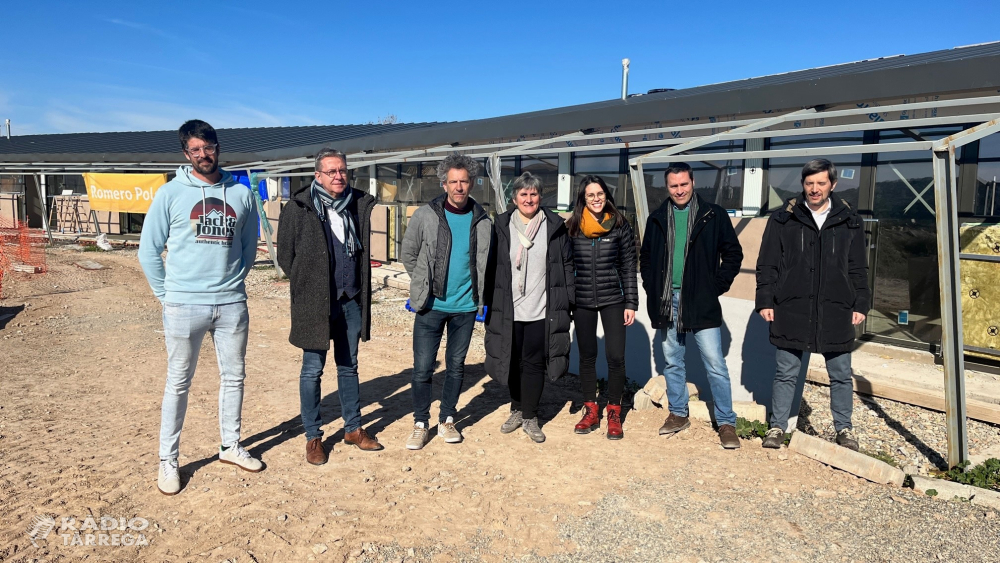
(8, 128)
(625, 63)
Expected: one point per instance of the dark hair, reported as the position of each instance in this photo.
(677, 168)
(199, 130)
(457, 161)
(573, 225)
(818, 165)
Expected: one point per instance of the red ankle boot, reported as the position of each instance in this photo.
(591, 419)
(615, 422)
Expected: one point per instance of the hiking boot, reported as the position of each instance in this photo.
(530, 427)
(169, 479)
(591, 419)
(236, 455)
(774, 438)
(419, 436)
(362, 440)
(513, 422)
(728, 437)
(847, 439)
(615, 422)
(674, 424)
(315, 452)
(448, 431)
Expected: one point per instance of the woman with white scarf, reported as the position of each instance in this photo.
(529, 299)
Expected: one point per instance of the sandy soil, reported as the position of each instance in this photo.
(82, 366)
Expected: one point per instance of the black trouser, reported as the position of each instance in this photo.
(527, 367)
(613, 319)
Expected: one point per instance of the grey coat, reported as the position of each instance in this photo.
(559, 292)
(427, 248)
(305, 258)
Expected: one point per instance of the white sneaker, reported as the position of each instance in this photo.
(448, 431)
(419, 436)
(169, 479)
(236, 455)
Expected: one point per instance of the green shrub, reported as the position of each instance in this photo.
(986, 475)
(882, 456)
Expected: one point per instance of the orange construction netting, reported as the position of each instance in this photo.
(21, 249)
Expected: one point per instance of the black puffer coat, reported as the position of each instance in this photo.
(606, 269)
(713, 259)
(814, 280)
(500, 299)
(304, 256)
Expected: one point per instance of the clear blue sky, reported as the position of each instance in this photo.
(121, 66)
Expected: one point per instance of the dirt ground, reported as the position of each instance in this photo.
(82, 366)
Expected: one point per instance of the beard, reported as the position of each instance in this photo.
(205, 168)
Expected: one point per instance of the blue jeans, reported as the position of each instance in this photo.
(345, 332)
(184, 328)
(709, 341)
(786, 378)
(428, 327)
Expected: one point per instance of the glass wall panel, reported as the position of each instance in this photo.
(986, 204)
(389, 184)
(360, 178)
(718, 181)
(906, 270)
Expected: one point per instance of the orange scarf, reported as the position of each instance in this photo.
(592, 229)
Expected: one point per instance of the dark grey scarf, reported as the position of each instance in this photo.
(323, 200)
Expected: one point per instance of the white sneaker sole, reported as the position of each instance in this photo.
(244, 468)
(165, 492)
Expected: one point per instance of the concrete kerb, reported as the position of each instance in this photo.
(948, 490)
(853, 462)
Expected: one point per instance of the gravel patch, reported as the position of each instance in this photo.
(915, 437)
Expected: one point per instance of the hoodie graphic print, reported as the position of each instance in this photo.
(213, 222)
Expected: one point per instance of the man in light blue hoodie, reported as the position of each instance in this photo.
(208, 223)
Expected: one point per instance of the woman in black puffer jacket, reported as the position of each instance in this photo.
(605, 259)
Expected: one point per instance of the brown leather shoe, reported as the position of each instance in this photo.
(315, 453)
(362, 440)
(674, 424)
(728, 437)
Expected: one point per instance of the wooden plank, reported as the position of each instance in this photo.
(978, 410)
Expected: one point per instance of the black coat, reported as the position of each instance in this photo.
(305, 258)
(500, 299)
(713, 260)
(814, 280)
(606, 269)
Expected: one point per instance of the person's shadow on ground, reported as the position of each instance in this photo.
(391, 392)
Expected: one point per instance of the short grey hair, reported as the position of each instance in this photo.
(327, 152)
(458, 162)
(527, 181)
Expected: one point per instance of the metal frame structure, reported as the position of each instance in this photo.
(945, 173)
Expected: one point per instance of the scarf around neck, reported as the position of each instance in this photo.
(591, 228)
(526, 236)
(323, 201)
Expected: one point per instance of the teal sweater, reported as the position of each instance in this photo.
(458, 287)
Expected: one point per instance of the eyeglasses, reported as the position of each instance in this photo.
(207, 149)
(595, 197)
(332, 173)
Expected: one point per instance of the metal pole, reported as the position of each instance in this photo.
(946, 221)
(40, 184)
(639, 193)
(625, 63)
(265, 223)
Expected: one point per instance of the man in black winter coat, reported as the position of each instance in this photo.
(812, 286)
(323, 247)
(690, 256)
